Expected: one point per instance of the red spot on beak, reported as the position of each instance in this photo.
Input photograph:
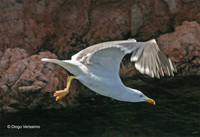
(151, 101)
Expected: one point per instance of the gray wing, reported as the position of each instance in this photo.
(150, 60)
(107, 56)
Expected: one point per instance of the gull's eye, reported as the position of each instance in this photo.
(141, 95)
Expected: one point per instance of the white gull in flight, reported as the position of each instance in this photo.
(97, 67)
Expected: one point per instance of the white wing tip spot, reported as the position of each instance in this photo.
(147, 71)
(134, 59)
(139, 68)
(133, 40)
(153, 41)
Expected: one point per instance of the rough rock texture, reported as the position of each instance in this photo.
(26, 82)
(183, 46)
(65, 26)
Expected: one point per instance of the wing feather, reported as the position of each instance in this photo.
(154, 59)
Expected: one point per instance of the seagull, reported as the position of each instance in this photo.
(97, 67)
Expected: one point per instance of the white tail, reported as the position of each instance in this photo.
(71, 66)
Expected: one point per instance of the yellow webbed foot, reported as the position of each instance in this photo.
(60, 93)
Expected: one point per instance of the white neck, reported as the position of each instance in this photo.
(128, 95)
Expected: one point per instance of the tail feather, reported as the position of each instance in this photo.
(51, 60)
(71, 66)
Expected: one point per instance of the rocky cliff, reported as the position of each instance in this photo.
(30, 30)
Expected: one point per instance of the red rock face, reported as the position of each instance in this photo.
(26, 82)
(30, 30)
(183, 46)
(64, 27)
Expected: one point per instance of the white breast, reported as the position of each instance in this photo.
(102, 85)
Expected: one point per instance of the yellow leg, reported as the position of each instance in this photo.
(61, 93)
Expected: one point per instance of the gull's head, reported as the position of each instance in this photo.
(133, 95)
(143, 98)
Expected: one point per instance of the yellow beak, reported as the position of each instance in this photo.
(151, 101)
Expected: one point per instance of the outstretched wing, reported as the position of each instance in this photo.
(150, 60)
(107, 56)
